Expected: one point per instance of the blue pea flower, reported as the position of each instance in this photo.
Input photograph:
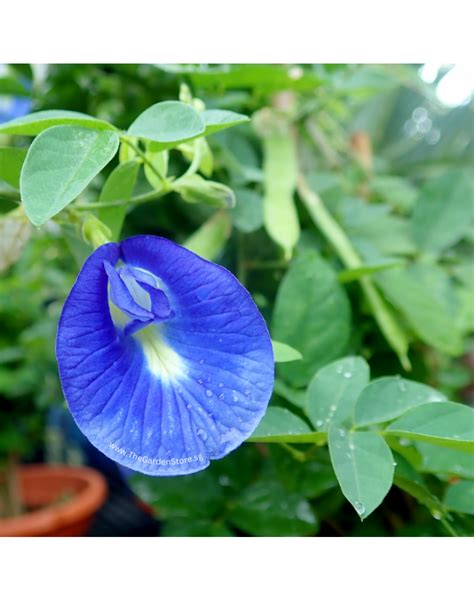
(164, 359)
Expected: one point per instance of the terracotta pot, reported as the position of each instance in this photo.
(61, 501)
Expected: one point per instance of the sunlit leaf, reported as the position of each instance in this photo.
(168, 124)
(59, 165)
(35, 123)
(284, 353)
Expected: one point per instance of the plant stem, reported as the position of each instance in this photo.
(295, 453)
(10, 195)
(142, 198)
(145, 159)
(333, 232)
(257, 265)
(11, 502)
(194, 166)
(448, 527)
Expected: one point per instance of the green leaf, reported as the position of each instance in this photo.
(364, 468)
(459, 497)
(217, 120)
(311, 478)
(12, 87)
(35, 123)
(59, 165)
(444, 424)
(267, 509)
(312, 314)
(170, 496)
(119, 186)
(262, 77)
(407, 479)
(283, 353)
(280, 425)
(185, 527)
(396, 191)
(297, 397)
(209, 240)
(386, 398)
(280, 171)
(196, 189)
(247, 214)
(443, 212)
(168, 124)
(440, 460)
(349, 275)
(11, 161)
(425, 296)
(333, 391)
(373, 229)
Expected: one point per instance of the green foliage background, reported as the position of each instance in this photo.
(352, 230)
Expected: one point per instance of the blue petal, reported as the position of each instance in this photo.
(172, 390)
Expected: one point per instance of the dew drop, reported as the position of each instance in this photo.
(189, 406)
(221, 384)
(200, 381)
(351, 446)
(201, 361)
(359, 507)
(208, 392)
(436, 514)
(332, 408)
(202, 434)
(222, 396)
(220, 339)
(342, 433)
(319, 423)
(347, 374)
